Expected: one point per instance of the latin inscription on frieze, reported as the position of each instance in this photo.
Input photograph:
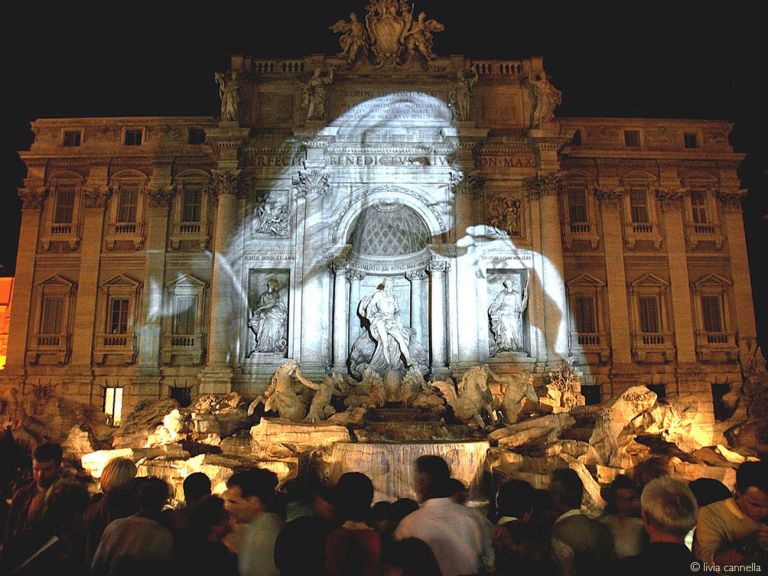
(386, 160)
(516, 161)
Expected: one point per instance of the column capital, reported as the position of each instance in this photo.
(96, 195)
(670, 199)
(466, 183)
(416, 275)
(542, 185)
(160, 196)
(339, 266)
(309, 183)
(355, 274)
(33, 197)
(438, 265)
(731, 199)
(609, 197)
(225, 182)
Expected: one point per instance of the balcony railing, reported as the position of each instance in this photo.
(189, 346)
(656, 345)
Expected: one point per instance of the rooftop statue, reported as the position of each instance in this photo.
(391, 33)
(229, 87)
(315, 92)
(547, 98)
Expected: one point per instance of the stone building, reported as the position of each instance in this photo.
(179, 255)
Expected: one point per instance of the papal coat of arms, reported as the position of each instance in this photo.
(391, 34)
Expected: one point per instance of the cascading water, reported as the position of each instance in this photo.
(391, 465)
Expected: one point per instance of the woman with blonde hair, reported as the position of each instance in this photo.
(117, 501)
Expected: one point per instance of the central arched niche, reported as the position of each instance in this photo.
(390, 239)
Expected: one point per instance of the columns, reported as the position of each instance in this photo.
(610, 206)
(354, 277)
(737, 248)
(33, 198)
(437, 269)
(340, 325)
(417, 278)
(217, 374)
(671, 203)
(94, 200)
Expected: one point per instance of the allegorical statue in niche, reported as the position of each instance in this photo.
(269, 320)
(506, 315)
(352, 38)
(382, 313)
(315, 92)
(460, 97)
(229, 87)
(547, 98)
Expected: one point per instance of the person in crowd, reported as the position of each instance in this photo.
(118, 501)
(522, 549)
(735, 531)
(668, 514)
(354, 549)
(27, 503)
(196, 486)
(138, 544)
(249, 496)
(708, 491)
(514, 501)
(458, 492)
(459, 540)
(199, 549)
(581, 546)
(622, 517)
(410, 557)
(54, 545)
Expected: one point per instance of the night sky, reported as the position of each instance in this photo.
(625, 60)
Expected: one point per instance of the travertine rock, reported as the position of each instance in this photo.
(95, 461)
(544, 429)
(297, 434)
(140, 424)
(580, 451)
(593, 500)
(563, 391)
(518, 392)
(350, 417)
(78, 443)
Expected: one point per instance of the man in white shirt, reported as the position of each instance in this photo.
(458, 537)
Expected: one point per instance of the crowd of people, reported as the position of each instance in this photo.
(53, 525)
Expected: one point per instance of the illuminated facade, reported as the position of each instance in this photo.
(186, 255)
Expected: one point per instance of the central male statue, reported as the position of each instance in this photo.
(383, 314)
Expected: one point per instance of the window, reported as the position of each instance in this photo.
(712, 313)
(699, 206)
(133, 137)
(721, 408)
(650, 321)
(585, 315)
(191, 204)
(632, 138)
(577, 206)
(659, 389)
(638, 205)
(118, 316)
(196, 136)
(71, 138)
(186, 312)
(127, 203)
(65, 205)
(182, 395)
(113, 405)
(691, 140)
(52, 316)
(591, 394)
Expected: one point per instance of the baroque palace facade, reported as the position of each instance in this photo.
(180, 255)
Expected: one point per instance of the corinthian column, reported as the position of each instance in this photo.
(437, 270)
(417, 279)
(340, 326)
(354, 277)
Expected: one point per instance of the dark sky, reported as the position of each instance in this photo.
(666, 60)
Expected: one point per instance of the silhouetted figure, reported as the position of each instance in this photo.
(196, 486)
(200, 550)
(708, 491)
(410, 557)
(306, 534)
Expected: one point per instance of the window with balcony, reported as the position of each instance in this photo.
(50, 340)
(190, 214)
(126, 213)
(652, 340)
(588, 340)
(579, 212)
(61, 213)
(638, 206)
(715, 341)
(641, 223)
(117, 304)
(183, 332)
(703, 225)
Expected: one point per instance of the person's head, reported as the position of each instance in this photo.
(151, 494)
(751, 493)
(117, 474)
(432, 475)
(46, 464)
(352, 496)
(520, 547)
(566, 490)
(273, 284)
(380, 513)
(196, 486)
(457, 491)
(65, 504)
(515, 499)
(250, 493)
(410, 557)
(400, 509)
(208, 519)
(708, 491)
(668, 509)
(622, 496)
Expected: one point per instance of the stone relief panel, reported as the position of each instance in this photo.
(268, 312)
(270, 213)
(507, 318)
(505, 216)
